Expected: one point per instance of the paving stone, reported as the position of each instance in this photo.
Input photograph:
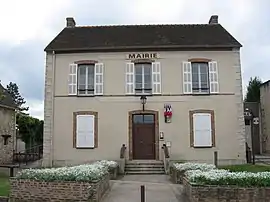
(158, 188)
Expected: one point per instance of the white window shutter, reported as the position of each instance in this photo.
(130, 78)
(99, 78)
(213, 77)
(187, 78)
(156, 78)
(202, 130)
(85, 137)
(72, 79)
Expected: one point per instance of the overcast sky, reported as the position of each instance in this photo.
(28, 26)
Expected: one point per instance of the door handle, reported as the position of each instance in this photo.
(141, 142)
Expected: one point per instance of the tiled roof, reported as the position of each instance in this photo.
(5, 98)
(142, 36)
(265, 83)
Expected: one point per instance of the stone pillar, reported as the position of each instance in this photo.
(48, 113)
(240, 133)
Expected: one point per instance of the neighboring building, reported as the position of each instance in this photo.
(7, 127)
(20, 144)
(96, 76)
(265, 116)
(254, 108)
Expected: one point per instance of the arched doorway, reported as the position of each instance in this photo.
(143, 135)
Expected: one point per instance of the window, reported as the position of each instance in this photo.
(143, 78)
(200, 81)
(85, 79)
(86, 76)
(143, 118)
(85, 130)
(200, 78)
(202, 128)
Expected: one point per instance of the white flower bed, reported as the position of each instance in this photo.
(109, 164)
(225, 177)
(86, 172)
(194, 166)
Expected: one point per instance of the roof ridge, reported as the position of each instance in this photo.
(124, 36)
(140, 25)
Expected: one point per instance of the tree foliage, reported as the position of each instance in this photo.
(253, 90)
(13, 90)
(30, 129)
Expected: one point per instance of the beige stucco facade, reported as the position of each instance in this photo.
(265, 116)
(113, 109)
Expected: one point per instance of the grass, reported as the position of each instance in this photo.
(247, 167)
(4, 185)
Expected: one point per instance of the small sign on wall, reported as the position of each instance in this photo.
(132, 56)
(168, 144)
(256, 120)
(168, 113)
(161, 135)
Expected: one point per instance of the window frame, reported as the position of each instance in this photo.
(142, 92)
(75, 114)
(86, 78)
(200, 92)
(191, 123)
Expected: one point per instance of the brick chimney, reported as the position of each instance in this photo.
(70, 22)
(213, 19)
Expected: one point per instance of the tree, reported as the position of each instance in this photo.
(30, 130)
(253, 90)
(13, 90)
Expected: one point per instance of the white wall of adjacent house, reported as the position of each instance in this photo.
(19, 145)
(171, 84)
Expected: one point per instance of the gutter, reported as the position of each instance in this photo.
(8, 107)
(142, 47)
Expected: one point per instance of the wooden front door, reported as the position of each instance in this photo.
(143, 136)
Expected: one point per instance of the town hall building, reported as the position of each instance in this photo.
(143, 86)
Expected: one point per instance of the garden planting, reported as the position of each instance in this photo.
(86, 182)
(205, 182)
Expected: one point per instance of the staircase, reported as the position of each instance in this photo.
(144, 167)
(263, 159)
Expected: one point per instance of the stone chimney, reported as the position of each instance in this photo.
(213, 19)
(70, 22)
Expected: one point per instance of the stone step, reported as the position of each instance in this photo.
(144, 166)
(136, 162)
(144, 169)
(145, 172)
(147, 167)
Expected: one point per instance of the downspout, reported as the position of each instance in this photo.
(52, 113)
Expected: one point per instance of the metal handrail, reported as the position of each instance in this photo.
(165, 156)
(122, 151)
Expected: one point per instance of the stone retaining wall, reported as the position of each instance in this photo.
(176, 176)
(114, 173)
(3, 199)
(211, 193)
(38, 191)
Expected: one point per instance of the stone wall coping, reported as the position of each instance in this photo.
(220, 186)
(57, 181)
